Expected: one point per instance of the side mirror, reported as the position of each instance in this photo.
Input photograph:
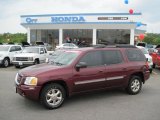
(81, 65)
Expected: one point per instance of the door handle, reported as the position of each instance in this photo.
(124, 68)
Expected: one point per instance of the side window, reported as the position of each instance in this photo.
(12, 49)
(18, 48)
(112, 57)
(41, 51)
(92, 59)
(135, 55)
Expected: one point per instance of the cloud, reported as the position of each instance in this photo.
(12, 9)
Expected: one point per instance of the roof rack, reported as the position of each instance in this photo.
(114, 46)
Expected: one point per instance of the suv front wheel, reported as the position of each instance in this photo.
(53, 96)
(135, 85)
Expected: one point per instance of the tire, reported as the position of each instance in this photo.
(150, 70)
(17, 66)
(58, 94)
(36, 62)
(154, 65)
(134, 85)
(6, 62)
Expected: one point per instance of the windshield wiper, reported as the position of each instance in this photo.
(57, 63)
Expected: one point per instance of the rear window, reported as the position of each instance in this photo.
(135, 55)
(141, 44)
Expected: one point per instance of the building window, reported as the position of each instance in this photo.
(115, 36)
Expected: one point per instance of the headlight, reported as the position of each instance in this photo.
(30, 58)
(14, 58)
(31, 81)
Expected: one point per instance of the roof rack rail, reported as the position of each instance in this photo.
(125, 46)
(99, 46)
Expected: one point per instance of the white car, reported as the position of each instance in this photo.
(67, 46)
(7, 52)
(149, 58)
(30, 56)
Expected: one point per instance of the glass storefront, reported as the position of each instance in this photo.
(82, 36)
(78, 36)
(113, 36)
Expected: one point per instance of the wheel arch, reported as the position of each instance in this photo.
(140, 74)
(61, 82)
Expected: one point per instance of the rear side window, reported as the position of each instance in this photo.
(112, 57)
(93, 58)
(135, 55)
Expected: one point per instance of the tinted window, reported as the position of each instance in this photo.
(13, 48)
(93, 58)
(135, 55)
(18, 48)
(112, 57)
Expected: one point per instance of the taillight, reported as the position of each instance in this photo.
(147, 65)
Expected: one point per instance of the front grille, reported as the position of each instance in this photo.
(21, 58)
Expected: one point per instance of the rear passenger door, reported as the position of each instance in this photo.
(91, 77)
(115, 68)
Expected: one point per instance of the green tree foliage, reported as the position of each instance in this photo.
(151, 38)
(15, 38)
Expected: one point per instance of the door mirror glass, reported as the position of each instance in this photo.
(81, 65)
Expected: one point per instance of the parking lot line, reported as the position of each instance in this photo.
(154, 73)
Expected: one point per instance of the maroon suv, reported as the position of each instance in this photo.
(83, 70)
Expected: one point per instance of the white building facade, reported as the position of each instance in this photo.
(92, 28)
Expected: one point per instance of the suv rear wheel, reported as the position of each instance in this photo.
(53, 96)
(135, 85)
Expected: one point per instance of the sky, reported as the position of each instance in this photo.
(11, 10)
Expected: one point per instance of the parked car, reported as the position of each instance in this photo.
(30, 56)
(156, 57)
(81, 70)
(149, 58)
(67, 46)
(7, 52)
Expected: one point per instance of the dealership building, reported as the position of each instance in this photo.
(92, 28)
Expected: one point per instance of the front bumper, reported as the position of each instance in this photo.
(31, 92)
(20, 63)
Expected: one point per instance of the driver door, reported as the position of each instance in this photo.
(93, 76)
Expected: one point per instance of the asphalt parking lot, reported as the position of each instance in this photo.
(104, 105)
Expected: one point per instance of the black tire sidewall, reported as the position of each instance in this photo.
(129, 90)
(45, 91)
(4, 62)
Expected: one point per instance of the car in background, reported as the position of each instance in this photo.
(7, 52)
(47, 45)
(30, 56)
(156, 57)
(149, 58)
(67, 46)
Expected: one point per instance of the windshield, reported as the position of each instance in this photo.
(30, 50)
(144, 51)
(4, 48)
(65, 58)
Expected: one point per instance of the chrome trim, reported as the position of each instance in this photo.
(16, 79)
(89, 81)
(115, 78)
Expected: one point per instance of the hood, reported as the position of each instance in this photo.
(25, 55)
(3, 52)
(38, 69)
